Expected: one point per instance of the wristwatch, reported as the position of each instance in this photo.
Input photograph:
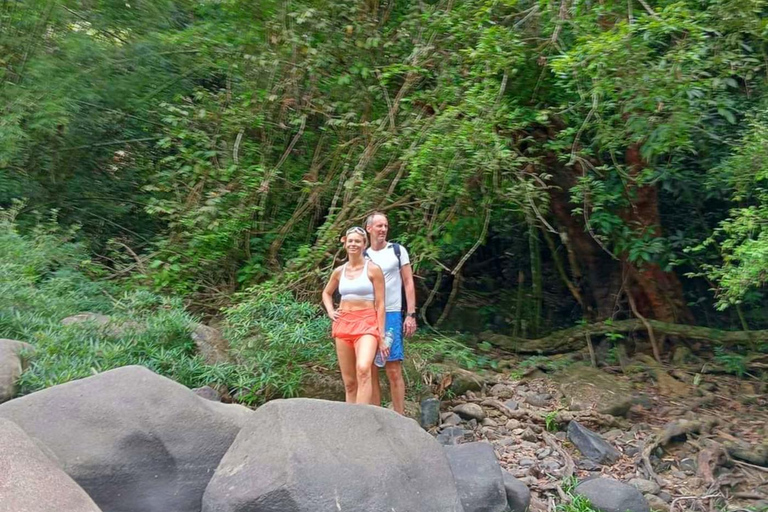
(411, 315)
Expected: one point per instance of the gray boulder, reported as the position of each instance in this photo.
(429, 412)
(470, 411)
(609, 495)
(211, 345)
(10, 366)
(453, 435)
(133, 440)
(305, 455)
(31, 482)
(591, 444)
(478, 477)
(518, 494)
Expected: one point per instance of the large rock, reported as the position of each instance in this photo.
(609, 495)
(518, 494)
(10, 366)
(211, 345)
(135, 441)
(591, 445)
(31, 482)
(478, 477)
(305, 455)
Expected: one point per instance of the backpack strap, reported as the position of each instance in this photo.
(365, 254)
(396, 248)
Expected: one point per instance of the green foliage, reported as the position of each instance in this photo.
(731, 362)
(282, 339)
(45, 277)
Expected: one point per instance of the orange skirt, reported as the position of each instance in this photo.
(350, 326)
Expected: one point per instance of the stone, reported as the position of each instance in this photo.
(451, 419)
(609, 495)
(478, 477)
(502, 391)
(31, 482)
(665, 496)
(619, 407)
(518, 494)
(303, 454)
(11, 366)
(688, 465)
(529, 435)
(429, 412)
(538, 399)
(211, 345)
(452, 436)
(472, 424)
(463, 381)
(591, 445)
(560, 436)
(526, 462)
(512, 405)
(133, 440)
(513, 424)
(682, 356)
(657, 503)
(470, 411)
(208, 393)
(543, 453)
(107, 324)
(645, 486)
(588, 465)
(488, 422)
(550, 465)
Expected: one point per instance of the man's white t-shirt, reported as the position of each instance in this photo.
(387, 260)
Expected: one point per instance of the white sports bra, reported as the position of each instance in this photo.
(359, 288)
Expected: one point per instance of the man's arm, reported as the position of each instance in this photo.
(409, 325)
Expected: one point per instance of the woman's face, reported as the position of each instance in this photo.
(355, 243)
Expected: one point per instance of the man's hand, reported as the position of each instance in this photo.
(409, 326)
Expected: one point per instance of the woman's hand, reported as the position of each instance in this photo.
(333, 314)
(383, 348)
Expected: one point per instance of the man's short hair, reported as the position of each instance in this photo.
(370, 218)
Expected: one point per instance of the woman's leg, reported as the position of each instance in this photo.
(365, 349)
(346, 354)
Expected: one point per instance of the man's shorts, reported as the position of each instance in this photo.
(393, 324)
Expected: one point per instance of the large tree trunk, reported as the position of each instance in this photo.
(601, 278)
(658, 294)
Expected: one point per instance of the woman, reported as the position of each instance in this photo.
(358, 324)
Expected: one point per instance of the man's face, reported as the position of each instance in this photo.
(379, 228)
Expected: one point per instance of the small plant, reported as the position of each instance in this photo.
(731, 362)
(550, 422)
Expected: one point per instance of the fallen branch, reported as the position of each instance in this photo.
(574, 338)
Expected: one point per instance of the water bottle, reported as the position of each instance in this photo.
(379, 360)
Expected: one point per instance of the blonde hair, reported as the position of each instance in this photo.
(359, 231)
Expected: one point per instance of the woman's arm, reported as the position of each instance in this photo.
(379, 302)
(333, 284)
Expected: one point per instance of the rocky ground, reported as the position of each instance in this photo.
(688, 441)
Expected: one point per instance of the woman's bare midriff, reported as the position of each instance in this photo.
(355, 305)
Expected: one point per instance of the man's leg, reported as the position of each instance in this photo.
(376, 398)
(394, 364)
(396, 385)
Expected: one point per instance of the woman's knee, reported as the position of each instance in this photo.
(363, 372)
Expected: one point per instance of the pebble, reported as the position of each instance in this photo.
(451, 419)
(513, 424)
(543, 453)
(538, 400)
(561, 436)
(526, 462)
(664, 495)
(645, 486)
(488, 422)
(529, 435)
(657, 503)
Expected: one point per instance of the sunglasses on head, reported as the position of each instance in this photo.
(356, 229)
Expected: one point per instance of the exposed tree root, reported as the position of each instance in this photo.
(574, 338)
(561, 417)
(672, 430)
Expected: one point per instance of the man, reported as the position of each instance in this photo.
(396, 265)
